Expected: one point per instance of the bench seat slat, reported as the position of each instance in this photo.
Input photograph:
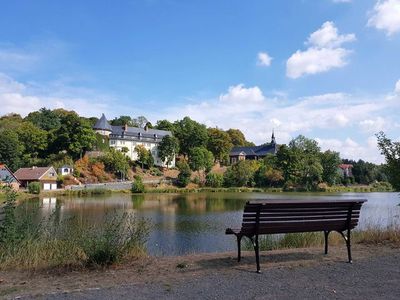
(276, 208)
(298, 218)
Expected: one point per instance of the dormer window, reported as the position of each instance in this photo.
(155, 136)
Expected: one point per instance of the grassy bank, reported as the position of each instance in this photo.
(29, 244)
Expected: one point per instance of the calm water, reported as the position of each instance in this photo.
(193, 223)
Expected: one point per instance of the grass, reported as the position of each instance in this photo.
(29, 244)
(373, 236)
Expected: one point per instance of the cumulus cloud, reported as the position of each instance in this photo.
(264, 59)
(16, 97)
(324, 52)
(386, 16)
(397, 87)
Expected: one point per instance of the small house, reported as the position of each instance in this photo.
(8, 178)
(47, 176)
(346, 170)
(65, 170)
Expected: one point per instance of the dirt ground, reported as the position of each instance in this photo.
(195, 275)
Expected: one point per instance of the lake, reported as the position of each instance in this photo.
(196, 222)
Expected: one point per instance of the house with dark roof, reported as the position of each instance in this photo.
(254, 152)
(47, 176)
(8, 178)
(126, 138)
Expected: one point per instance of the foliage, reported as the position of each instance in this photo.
(165, 125)
(155, 171)
(366, 172)
(237, 138)
(115, 161)
(34, 187)
(184, 174)
(137, 185)
(214, 180)
(11, 149)
(121, 121)
(44, 119)
(168, 148)
(391, 151)
(200, 159)
(190, 134)
(219, 143)
(241, 173)
(144, 156)
(33, 139)
(330, 161)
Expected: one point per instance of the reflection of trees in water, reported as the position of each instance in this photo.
(193, 203)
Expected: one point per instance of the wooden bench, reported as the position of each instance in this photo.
(291, 216)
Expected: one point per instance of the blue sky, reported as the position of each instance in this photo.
(326, 69)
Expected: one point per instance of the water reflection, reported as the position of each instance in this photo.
(185, 223)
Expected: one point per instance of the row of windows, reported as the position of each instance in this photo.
(113, 142)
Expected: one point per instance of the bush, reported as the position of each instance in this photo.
(382, 186)
(155, 172)
(184, 174)
(34, 187)
(214, 180)
(137, 185)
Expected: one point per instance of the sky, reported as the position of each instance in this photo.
(327, 69)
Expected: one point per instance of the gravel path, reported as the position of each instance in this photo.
(373, 277)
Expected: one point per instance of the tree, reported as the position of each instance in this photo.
(137, 185)
(142, 154)
(184, 174)
(219, 143)
(140, 121)
(10, 121)
(237, 138)
(11, 149)
(391, 151)
(122, 120)
(33, 138)
(330, 161)
(241, 173)
(190, 134)
(200, 159)
(45, 119)
(214, 180)
(165, 125)
(168, 148)
(116, 162)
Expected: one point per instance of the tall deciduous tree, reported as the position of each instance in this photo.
(11, 149)
(45, 119)
(168, 149)
(330, 161)
(164, 125)
(219, 143)
(391, 151)
(190, 134)
(200, 159)
(237, 138)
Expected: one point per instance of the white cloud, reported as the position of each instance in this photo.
(373, 125)
(386, 16)
(327, 37)
(16, 97)
(324, 52)
(242, 95)
(264, 59)
(397, 87)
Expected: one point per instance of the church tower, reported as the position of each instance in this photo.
(273, 142)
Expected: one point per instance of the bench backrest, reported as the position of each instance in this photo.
(288, 216)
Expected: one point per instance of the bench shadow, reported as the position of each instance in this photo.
(267, 259)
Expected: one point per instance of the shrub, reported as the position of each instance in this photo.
(34, 187)
(155, 172)
(382, 186)
(184, 174)
(137, 185)
(214, 180)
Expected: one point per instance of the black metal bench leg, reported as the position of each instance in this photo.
(347, 239)
(348, 244)
(257, 251)
(239, 238)
(326, 233)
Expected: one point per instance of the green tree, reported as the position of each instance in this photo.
(34, 187)
(190, 134)
(237, 138)
(330, 161)
(10, 121)
(165, 125)
(45, 119)
(391, 151)
(168, 148)
(200, 159)
(219, 143)
(11, 149)
(137, 185)
(140, 121)
(241, 173)
(214, 180)
(33, 138)
(115, 162)
(142, 154)
(122, 120)
(184, 174)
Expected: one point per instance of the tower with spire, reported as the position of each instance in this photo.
(273, 142)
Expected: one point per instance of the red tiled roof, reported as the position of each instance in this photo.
(33, 173)
(345, 166)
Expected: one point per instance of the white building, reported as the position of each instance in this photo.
(129, 137)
